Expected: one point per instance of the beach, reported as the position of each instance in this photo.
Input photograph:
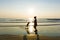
(20, 37)
(29, 19)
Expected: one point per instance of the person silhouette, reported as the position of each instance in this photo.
(27, 28)
(35, 24)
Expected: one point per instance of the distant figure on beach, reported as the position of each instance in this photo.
(35, 24)
(27, 28)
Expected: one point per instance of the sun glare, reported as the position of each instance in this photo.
(31, 29)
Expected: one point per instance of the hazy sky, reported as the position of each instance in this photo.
(29, 8)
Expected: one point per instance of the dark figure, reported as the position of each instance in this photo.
(27, 28)
(24, 37)
(35, 24)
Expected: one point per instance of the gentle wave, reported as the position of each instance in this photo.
(39, 20)
(24, 24)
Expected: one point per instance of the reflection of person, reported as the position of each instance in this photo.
(35, 24)
(27, 28)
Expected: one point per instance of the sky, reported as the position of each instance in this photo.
(29, 8)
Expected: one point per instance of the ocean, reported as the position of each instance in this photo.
(46, 26)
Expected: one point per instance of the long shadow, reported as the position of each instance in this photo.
(38, 37)
(24, 37)
(36, 32)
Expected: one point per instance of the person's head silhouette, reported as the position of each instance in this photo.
(34, 17)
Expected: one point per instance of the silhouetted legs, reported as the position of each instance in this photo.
(35, 30)
(27, 30)
(36, 33)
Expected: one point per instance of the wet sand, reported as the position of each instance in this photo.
(29, 37)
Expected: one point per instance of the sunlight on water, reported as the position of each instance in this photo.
(30, 19)
(31, 24)
(31, 29)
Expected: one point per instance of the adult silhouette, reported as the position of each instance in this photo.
(35, 24)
